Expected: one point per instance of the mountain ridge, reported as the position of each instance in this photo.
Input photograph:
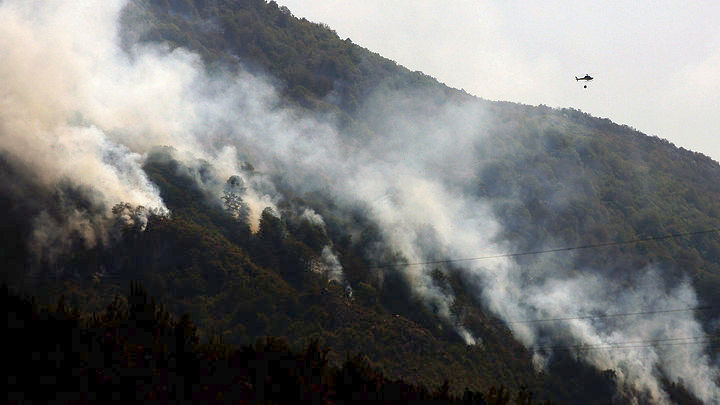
(422, 172)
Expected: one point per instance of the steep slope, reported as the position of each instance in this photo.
(632, 185)
(290, 183)
(136, 351)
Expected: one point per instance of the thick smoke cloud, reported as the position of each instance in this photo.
(83, 108)
(50, 82)
(431, 186)
(78, 108)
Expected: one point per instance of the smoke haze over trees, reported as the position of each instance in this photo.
(269, 178)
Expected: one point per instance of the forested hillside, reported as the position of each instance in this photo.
(266, 177)
(136, 351)
(632, 185)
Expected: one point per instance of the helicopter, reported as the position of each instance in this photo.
(587, 78)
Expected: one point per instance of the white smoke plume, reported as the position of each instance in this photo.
(618, 343)
(333, 264)
(419, 189)
(77, 106)
(328, 257)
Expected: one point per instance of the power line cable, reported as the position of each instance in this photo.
(518, 254)
(710, 343)
(648, 346)
(616, 315)
(556, 250)
(637, 343)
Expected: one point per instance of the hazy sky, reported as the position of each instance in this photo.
(656, 63)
